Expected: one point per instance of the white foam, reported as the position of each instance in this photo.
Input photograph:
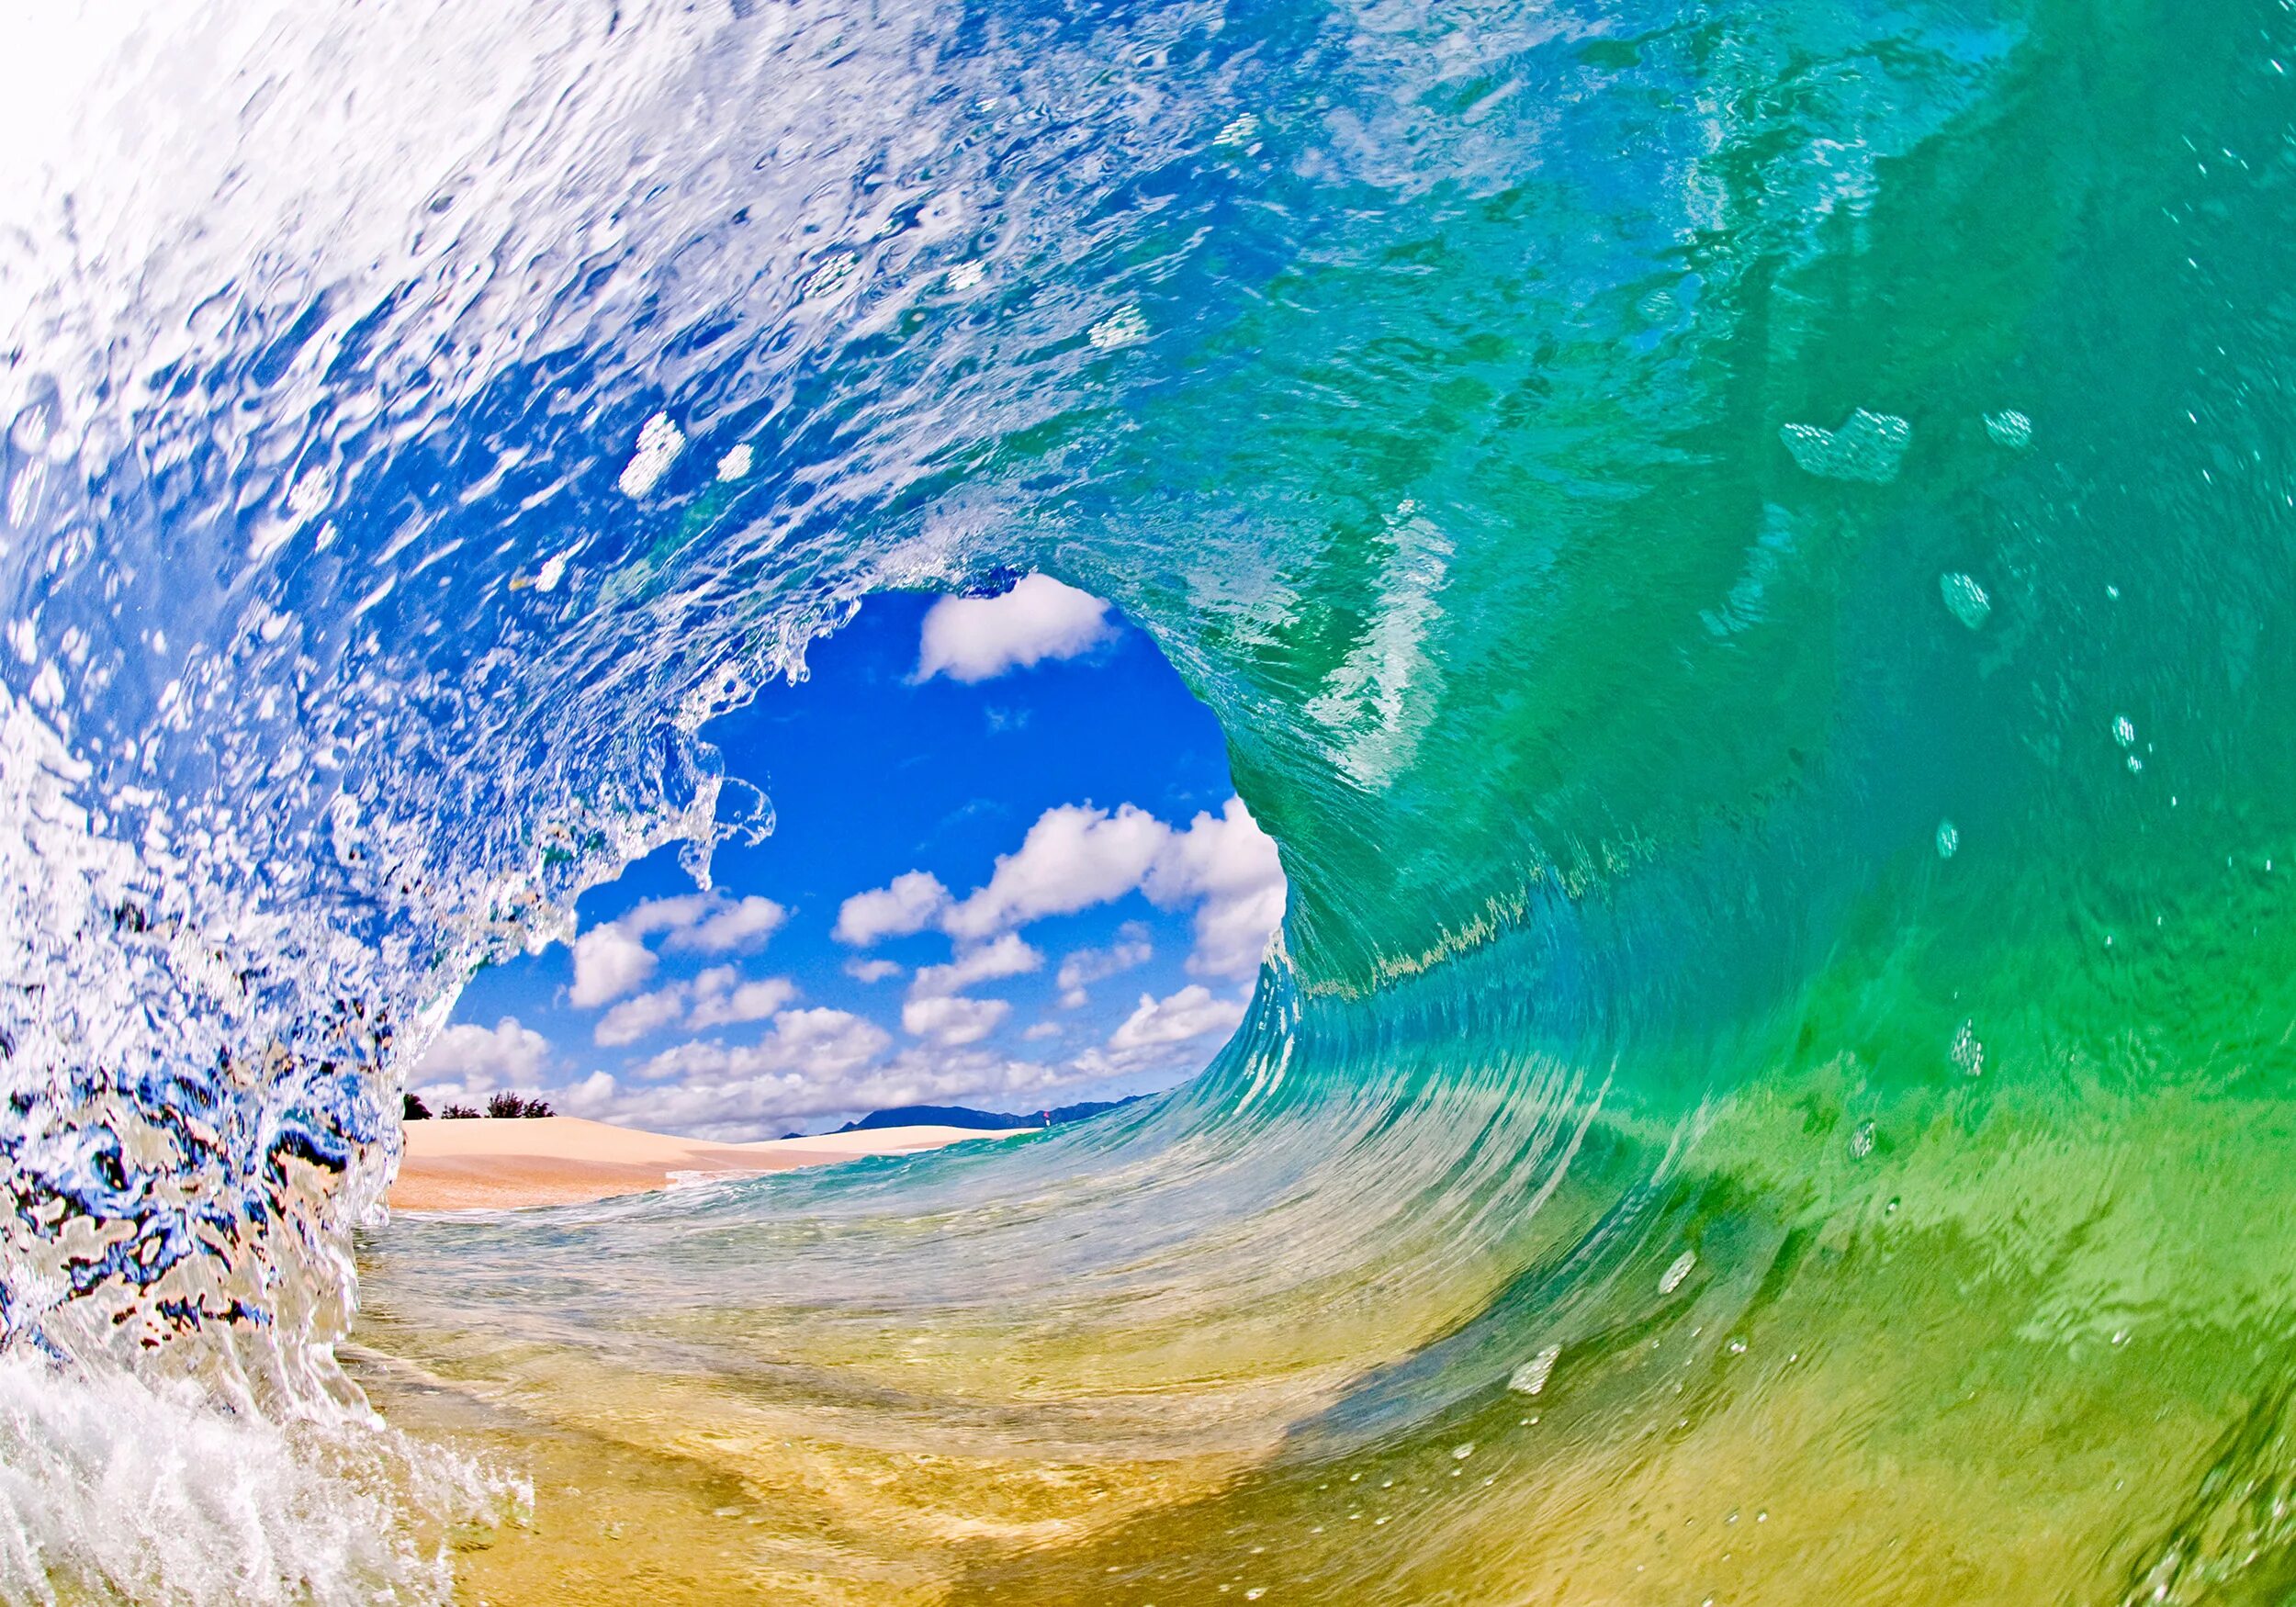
(112, 1489)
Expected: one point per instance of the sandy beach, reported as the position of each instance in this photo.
(489, 1164)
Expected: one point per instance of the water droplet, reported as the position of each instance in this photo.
(1461, 1453)
(1679, 1270)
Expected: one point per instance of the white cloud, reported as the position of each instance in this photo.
(1074, 856)
(741, 924)
(635, 1019)
(613, 959)
(474, 1059)
(871, 969)
(1230, 865)
(952, 1021)
(665, 915)
(1189, 1014)
(707, 923)
(608, 962)
(1007, 956)
(1042, 1030)
(977, 638)
(1086, 966)
(817, 1045)
(722, 998)
(912, 902)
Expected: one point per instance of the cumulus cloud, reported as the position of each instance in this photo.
(738, 924)
(1074, 856)
(721, 997)
(608, 962)
(718, 996)
(1007, 956)
(635, 1019)
(733, 1095)
(1192, 1013)
(1086, 966)
(978, 639)
(910, 903)
(817, 1045)
(871, 969)
(472, 1058)
(1229, 866)
(951, 1020)
(613, 959)
(706, 923)
(1042, 1030)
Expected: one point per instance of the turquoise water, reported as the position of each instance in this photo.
(1743, 554)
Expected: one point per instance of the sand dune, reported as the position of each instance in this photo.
(558, 1160)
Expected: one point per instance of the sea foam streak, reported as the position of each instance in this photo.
(1567, 446)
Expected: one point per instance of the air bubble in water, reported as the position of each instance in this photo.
(1671, 1279)
(1869, 447)
(1948, 840)
(658, 443)
(835, 274)
(1124, 327)
(1968, 1053)
(1531, 1378)
(2010, 428)
(1966, 599)
(2123, 730)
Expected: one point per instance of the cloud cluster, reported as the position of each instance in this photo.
(612, 960)
(719, 996)
(1076, 856)
(1131, 951)
(821, 1065)
(469, 1060)
(1189, 1013)
(977, 638)
(910, 903)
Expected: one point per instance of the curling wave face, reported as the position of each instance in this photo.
(1742, 552)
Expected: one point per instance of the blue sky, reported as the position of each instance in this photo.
(1008, 870)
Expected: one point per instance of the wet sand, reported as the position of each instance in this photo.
(488, 1165)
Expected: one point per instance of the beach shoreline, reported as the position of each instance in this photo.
(504, 1163)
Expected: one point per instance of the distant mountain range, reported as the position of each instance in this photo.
(964, 1115)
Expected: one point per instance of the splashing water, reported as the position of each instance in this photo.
(1537, 433)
